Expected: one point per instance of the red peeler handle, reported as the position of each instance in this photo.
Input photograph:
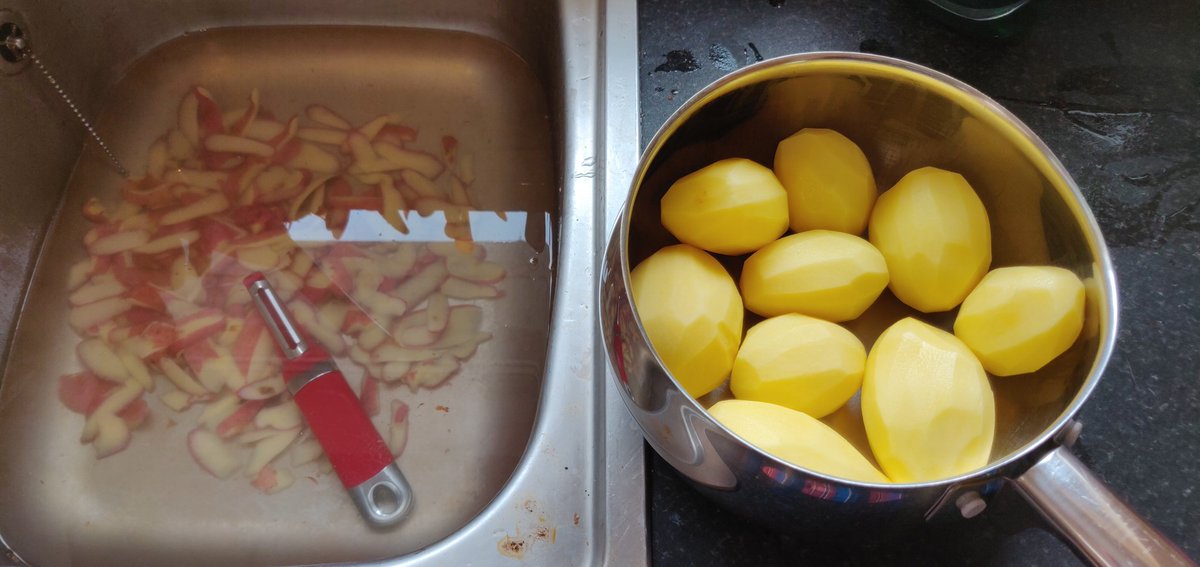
(359, 455)
(337, 419)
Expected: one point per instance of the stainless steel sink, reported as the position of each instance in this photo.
(563, 483)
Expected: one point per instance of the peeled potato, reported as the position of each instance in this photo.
(733, 206)
(847, 421)
(828, 181)
(830, 275)
(1018, 319)
(692, 313)
(794, 437)
(933, 230)
(799, 362)
(927, 404)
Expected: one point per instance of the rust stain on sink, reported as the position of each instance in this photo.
(515, 545)
(544, 533)
(512, 547)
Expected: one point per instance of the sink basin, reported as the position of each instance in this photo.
(524, 455)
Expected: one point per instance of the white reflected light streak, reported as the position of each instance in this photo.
(370, 226)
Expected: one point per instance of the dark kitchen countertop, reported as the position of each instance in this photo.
(1113, 87)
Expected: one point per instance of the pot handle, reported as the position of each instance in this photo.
(1101, 527)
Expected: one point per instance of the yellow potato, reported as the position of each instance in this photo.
(828, 181)
(733, 206)
(794, 437)
(847, 421)
(830, 275)
(1020, 318)
(927, 404)
(933, 230)
(692, 313)
(799, 362)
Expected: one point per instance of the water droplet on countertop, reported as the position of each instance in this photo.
(680, 60)
(721, 57)
(757, 55)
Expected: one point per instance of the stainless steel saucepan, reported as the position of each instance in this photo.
(903, 116)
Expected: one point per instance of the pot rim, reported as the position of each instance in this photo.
(985, 108)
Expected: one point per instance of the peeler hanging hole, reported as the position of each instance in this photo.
(385, 499)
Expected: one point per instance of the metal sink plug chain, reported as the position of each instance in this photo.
(16, 48)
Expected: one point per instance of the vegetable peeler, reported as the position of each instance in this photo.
(359, 455)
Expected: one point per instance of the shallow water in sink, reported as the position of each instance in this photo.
(150, 504)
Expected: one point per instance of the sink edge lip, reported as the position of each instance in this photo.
(600, 133)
